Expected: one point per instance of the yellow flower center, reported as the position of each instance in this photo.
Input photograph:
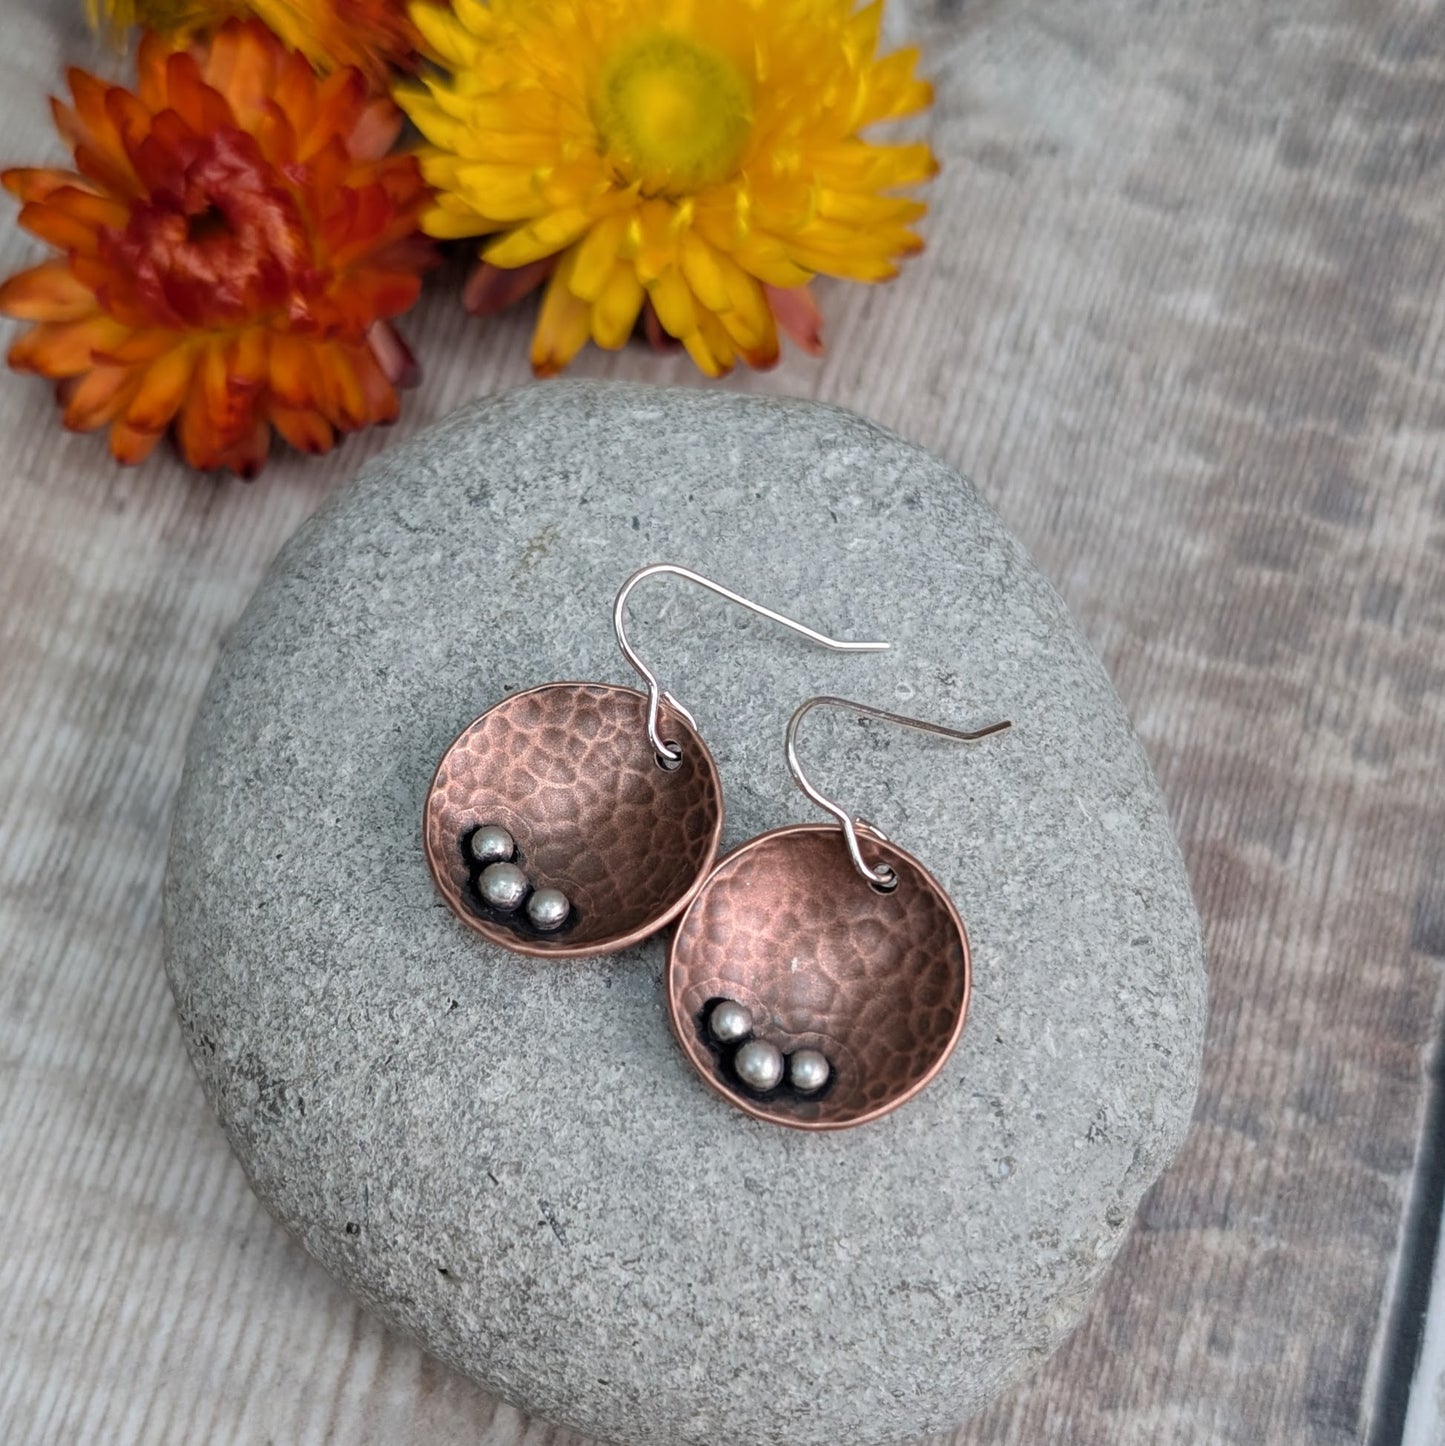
(674, 115)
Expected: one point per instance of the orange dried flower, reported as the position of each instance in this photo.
(372, 35)
(235, 239)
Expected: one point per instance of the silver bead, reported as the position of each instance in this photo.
(729, 1022)
(503, 886)
(492, 844)
(759, 1065)
(548, 909)
(808, 1070)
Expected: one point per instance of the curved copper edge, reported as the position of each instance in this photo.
(696, 788)
(685, 1025)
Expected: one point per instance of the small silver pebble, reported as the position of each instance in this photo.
(548, 909)
(808, 1070)
(759, 1065)
(729, 1022)
(503, 886)
(492, 844)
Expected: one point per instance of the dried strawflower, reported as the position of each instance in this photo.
(375, 36)
(234, 240)
(677, 153)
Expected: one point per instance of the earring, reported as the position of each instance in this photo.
(821, 976)
(579, 818)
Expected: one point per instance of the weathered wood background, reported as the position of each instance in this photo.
(1183, 317)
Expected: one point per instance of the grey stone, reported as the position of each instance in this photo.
(510, 1158)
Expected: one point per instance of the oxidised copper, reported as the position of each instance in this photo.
(567, 769)
(824, 960)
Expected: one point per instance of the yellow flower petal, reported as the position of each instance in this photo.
(475, 16)
(563, 326)
(448, 225)
(672, 300)
(614, 313)
(513, 192)
(440, 128)
(543, 237)
(442, 31)
(754, 333)
(703, 267)
(710, 348)
(863, 208)
(597, 256)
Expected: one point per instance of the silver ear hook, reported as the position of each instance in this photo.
(882, 877)
(669, 754)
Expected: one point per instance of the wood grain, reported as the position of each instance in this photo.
(1183, 318)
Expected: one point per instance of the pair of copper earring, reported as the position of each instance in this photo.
(819, 975)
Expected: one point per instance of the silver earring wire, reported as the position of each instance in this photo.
(882, 877)
(669, 754)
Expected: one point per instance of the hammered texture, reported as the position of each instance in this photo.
(878, 981)
(568, 770)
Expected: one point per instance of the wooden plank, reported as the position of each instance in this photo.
(1182, 318)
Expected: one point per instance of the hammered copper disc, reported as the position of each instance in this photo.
(878, 981)
(567, 769)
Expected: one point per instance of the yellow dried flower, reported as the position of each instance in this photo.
(696, 155)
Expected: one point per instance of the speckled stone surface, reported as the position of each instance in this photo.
(510, 1157)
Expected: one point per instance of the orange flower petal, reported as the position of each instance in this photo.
(274, 131)
(160, 155)
(91, 120)
(46, 293)
(202, 443)
(130, 445)
(305, 430)
(353, 390)
(58, 226)
(63, 348)
(248, 360)
(228, 403)
(35, 183)
(136, 348)
(293, 90)
(341, 100)
(132, 122)
(247, 456)
(162, 391)
(150, 64)
(202, 108)
(292, 372)
(98, 397)
(382, 405)
(84, 205)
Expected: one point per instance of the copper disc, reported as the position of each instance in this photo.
(567, 769)
(878, 981)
